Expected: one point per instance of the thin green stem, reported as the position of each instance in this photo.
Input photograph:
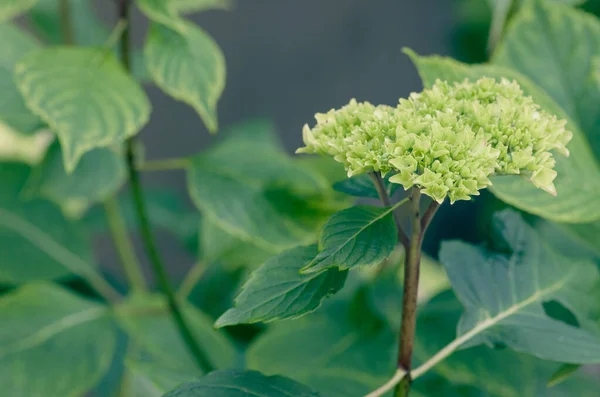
(120, 237)
(164, 165)
(191, 279)
(66, 22)
(145, 228)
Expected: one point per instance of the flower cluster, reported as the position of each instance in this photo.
(447, 140)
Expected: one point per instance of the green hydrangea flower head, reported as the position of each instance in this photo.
(447, 140)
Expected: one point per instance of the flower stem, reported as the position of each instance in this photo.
(120, 237)
(409, 298)
(144, 223)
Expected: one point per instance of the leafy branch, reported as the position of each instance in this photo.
(144, 223)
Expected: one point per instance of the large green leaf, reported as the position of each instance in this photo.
(156, 338)
(14, 45)
(503, 295)
(252, 190)
(86, 97)
(277, 290)
(37, 241)
(52, 343)
(183, 60)
(495, 372)
(234, 383)
(578, 180)
(10, 9)
(99, 174)
(356, 236)
(338, 352)
(188, 65)
(557, 47)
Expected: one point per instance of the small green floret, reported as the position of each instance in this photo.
(447, 140)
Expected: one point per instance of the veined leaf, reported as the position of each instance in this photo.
(85, 96)
(99, 174)
(147, 321)
(277, 290)
(52, 343)
(361, 235)
(495, 372)
(328, 351)
(10, 9)
(14, 45)
(503, 295)
(37, 241)
(188, 65)
(578, 180)
(558, 48)
(233, 383)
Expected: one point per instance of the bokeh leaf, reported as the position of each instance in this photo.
(251, 189)
(188, 65)
(84, 95)
(336, 352)
(37, 241)
(14, 45)
(558, 48)
(157, 346)
(361, 235)
(190, 6)
(578, 180)
(277, 290)
(235, 383)
(99, 175)
(503, 295)
(10, 9)
(52, 343)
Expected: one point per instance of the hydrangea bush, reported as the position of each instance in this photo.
(308, 275)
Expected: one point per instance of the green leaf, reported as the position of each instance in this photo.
(235, 383)
(328, 351)
(357, 236)
(38, 243)
(277, 290)
(112, 108)
(154, 334)
(10, 9)
(362, 186)
(503, 295)
(494, 372)
(230, 251)
(52, 343)
(98, 176)
(562, 57)
(252, 190)
(188, 65)
(578, 180)
(14, 45)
